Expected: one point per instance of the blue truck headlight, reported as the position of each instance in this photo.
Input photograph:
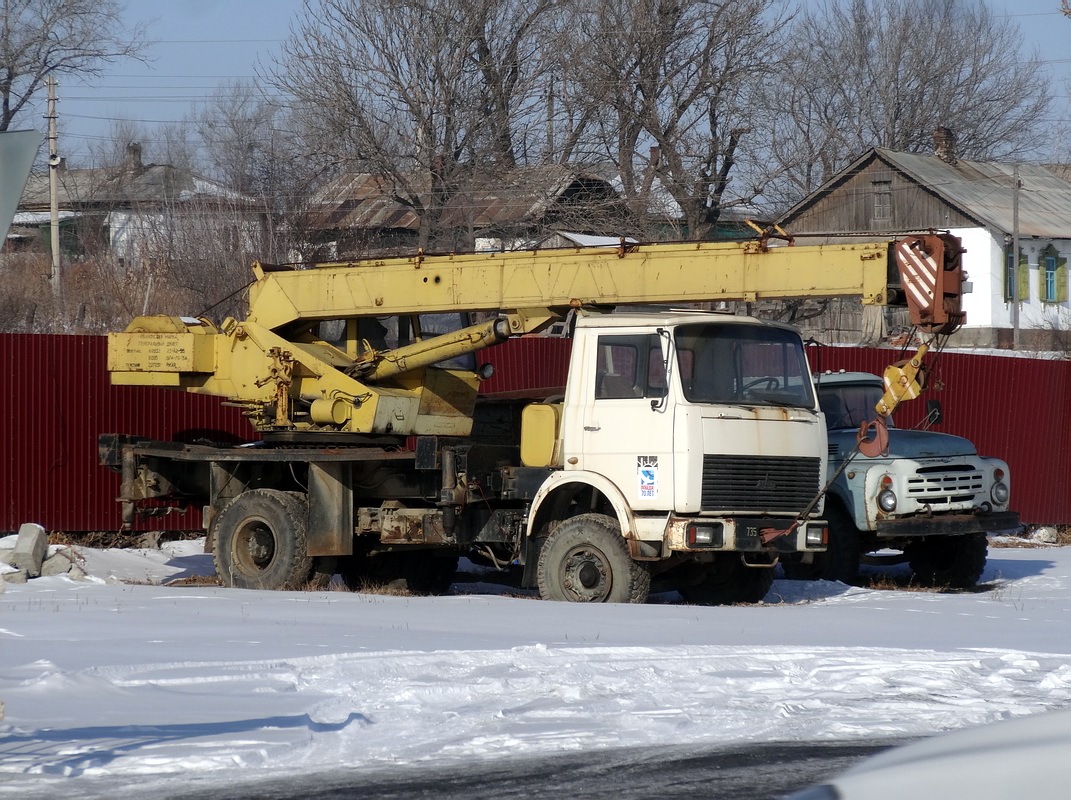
(887, 500)
(1000, 493)
(886, 496)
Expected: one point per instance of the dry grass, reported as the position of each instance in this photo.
(904, 582)
(98, 540)
(1028, 539)
(196, 580)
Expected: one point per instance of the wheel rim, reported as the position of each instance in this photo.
(254, 547)
(585, 574)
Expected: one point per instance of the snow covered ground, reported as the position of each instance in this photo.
(117, 685)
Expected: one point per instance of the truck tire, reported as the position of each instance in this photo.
(730, 581)
(953, 561)
(840, 561)
(586, 560)
(261, 542)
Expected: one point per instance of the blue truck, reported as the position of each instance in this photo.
(929, 500)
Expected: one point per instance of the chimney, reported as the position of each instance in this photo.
(133, 156)
(944, 145)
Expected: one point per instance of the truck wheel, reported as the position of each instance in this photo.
(840, 561)
(260, 541)
(953, 561)
(729, 581)
(586, 560)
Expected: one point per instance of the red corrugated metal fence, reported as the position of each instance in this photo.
(56, 399)
(1011, 408)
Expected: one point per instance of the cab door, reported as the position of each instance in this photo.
(628, 419)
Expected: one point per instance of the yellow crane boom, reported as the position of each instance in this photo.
(276, 364)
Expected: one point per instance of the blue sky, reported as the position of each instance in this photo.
(201, 44)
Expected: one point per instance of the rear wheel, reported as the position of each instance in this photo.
(586, 560)
(729, 581)
(953, 561)
(261, 541)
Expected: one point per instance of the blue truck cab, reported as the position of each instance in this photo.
(930, 500)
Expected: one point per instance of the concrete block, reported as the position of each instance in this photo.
(30, 549)
(1047, 535)
(59, 563)
(18, 576)
(5, 555)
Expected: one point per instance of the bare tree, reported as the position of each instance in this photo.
(672, 84)
(887, 73)
(512, 47)
(236, 129)
(60, 37)
(413, 91)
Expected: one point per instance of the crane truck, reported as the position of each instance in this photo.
(688, 448)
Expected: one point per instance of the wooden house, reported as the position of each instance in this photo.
(1014, 302)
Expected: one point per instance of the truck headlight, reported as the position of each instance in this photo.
(886, 496)
(887, 500)
(1000, 493)
(817, 536)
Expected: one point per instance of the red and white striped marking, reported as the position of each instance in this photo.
(918, 274)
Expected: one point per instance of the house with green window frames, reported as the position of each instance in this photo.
(1015, 295)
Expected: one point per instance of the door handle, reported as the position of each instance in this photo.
(592, 428)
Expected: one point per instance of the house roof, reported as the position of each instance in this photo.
(129, 185)
(525, 194)
(981, 190)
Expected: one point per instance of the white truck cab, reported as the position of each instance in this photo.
(698, 435)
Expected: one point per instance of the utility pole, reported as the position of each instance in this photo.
(1015, 258)
(53, 188)
(550, 117)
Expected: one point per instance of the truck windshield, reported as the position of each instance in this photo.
(849, 405)
(743, 365)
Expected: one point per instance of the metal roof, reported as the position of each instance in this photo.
(984, 190)
(981, 190)
(132, 186)
(366, 201)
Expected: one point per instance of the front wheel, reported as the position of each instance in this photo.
(586, 560)
(261, 541)
(953, 561)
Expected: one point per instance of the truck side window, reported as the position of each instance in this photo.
(629, 366)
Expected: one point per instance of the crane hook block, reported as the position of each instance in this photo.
(931, 274)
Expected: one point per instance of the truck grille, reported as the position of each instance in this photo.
(759, 483)
(944, 485)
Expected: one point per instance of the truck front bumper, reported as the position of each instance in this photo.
(745, 535)
(948, 525)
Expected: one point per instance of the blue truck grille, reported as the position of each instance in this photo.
(945, 484)
(759, 483)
